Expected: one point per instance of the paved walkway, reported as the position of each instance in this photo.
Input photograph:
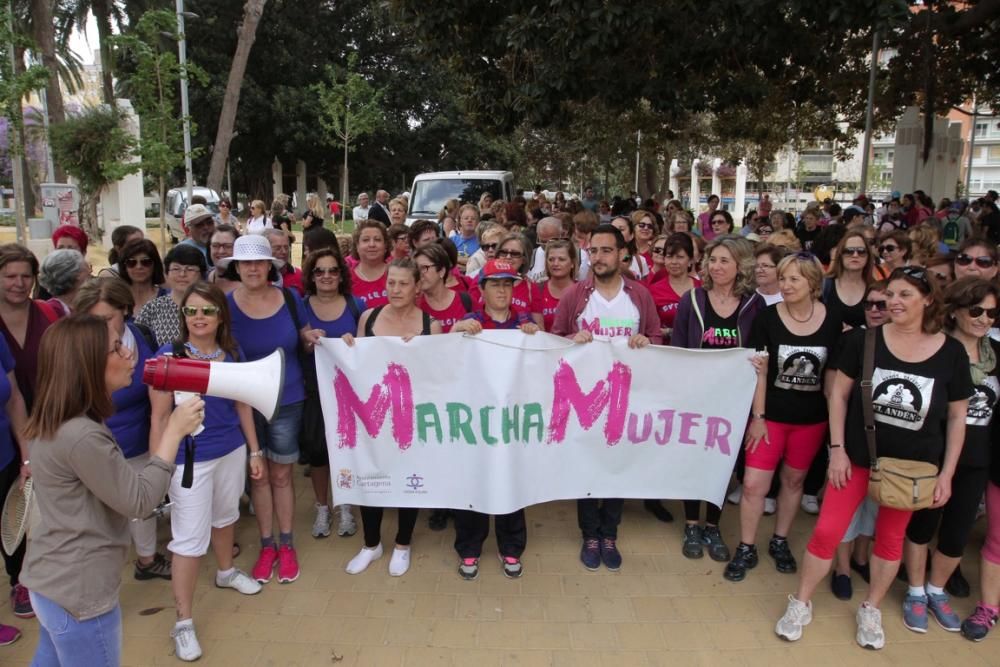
(661, 609)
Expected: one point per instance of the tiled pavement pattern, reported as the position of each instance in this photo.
(661, 609)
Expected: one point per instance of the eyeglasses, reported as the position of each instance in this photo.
(659, 250)
(856, 252)
(145, 262)
(223, 204)
(882, 249)
(766, 267)
(120, 350)
(320, 272)
(720, 221)
(179, 269)
(207, 311)
(880, 306)
(424, 268)
(488, 246)
(510, 254)
(222, 246)
(977, 311)
(984, 262)
(764, 231)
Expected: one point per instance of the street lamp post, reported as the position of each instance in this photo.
(185, 115)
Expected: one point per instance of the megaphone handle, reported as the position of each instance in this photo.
(180, 397)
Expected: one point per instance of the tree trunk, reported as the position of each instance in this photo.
(88, 217)
(45, 37)
(344, 191)
(102, 14)
(647, 178)
(252, 11)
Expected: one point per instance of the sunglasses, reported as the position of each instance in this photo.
(764, 231)
(977, 311)
(720, 221)
(489, 246)
(145, 262)
(645, 225)
(880, 306)
(659, 250)
(887, 248)
(914, 272)
(856, 252)
(510, 254)
(207, 311)
(984, 262)
(333, 271)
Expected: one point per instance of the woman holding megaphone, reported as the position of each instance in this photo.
(206, 512)
(86, 491)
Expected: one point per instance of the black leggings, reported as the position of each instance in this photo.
(692, 512)
(371, 521)
(956, 518)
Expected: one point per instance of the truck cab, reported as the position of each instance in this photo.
(431, 191)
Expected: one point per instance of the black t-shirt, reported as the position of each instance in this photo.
(910, 399)
(806, 237)
(852, 316)
(978, 437)
(795, 366)
(721, 333)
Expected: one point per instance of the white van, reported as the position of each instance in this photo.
(431, 191)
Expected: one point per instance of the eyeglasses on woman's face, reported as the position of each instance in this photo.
(207, 311)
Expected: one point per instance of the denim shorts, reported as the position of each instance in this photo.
(280, 439)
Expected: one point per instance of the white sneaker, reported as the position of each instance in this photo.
(770, 506)
(364, 558)
(736, 495)
(186, 645)
(870, 633)
(346, 527)
(400, 562)
(321, 525)
(797, 616)
(810, 504)
(240, 581)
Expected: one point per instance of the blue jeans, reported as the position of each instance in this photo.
(65, 641)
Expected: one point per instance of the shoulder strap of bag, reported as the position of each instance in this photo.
(466, 300)
(868, 368)
(352, 306)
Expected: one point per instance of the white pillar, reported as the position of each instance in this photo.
(674, 185)
(716, 180)
(300, 185)
(123, 202)
(321, 190)
(741, 190)
(277, 176)
(695, 204)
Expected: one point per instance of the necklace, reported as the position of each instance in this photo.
(193, 351)
(812, 309)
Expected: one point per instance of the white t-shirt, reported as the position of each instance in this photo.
(258, 225)
(771, 299)
(607, 319)
(360, 213)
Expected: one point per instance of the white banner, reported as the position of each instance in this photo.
(504, 420)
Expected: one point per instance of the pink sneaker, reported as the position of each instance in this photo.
(264, 567)
(20, 602)
(8, 634)
(288, 564)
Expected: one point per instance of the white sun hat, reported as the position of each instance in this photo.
(249, 248)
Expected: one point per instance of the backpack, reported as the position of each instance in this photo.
(950, 231)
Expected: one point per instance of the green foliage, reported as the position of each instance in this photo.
(14, 87)
(350, 107)
(94, 148)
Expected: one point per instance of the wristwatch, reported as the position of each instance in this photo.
(258, 454)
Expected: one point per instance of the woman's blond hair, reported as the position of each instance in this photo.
(742, 253)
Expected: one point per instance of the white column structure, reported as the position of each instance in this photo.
(300, 185)
(716, 179)
(277, 176)
(321, 190)
(739, 208)
(675, 169)
(123, 202)
(695, 204)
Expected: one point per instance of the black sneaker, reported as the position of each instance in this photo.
(610, 556)
(784, 561)
(712, 539)
(840, 584)
(158, 569)
(744, 559)
(438, 520)
(590, 554)
(656, 508)
(692, 547)
(865, 570)
(957, 585)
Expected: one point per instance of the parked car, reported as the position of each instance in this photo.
(177, 203)
(431, 191)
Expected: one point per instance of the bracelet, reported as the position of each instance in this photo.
(832, 446)
(26, 462)
(258, 454)
(757, 415)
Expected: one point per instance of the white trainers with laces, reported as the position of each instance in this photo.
(239, 581)
(346, 527)
(321, 524)
(186, 645)
(770, 506)
(797, 616)
(810, 504)
(870, 632)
